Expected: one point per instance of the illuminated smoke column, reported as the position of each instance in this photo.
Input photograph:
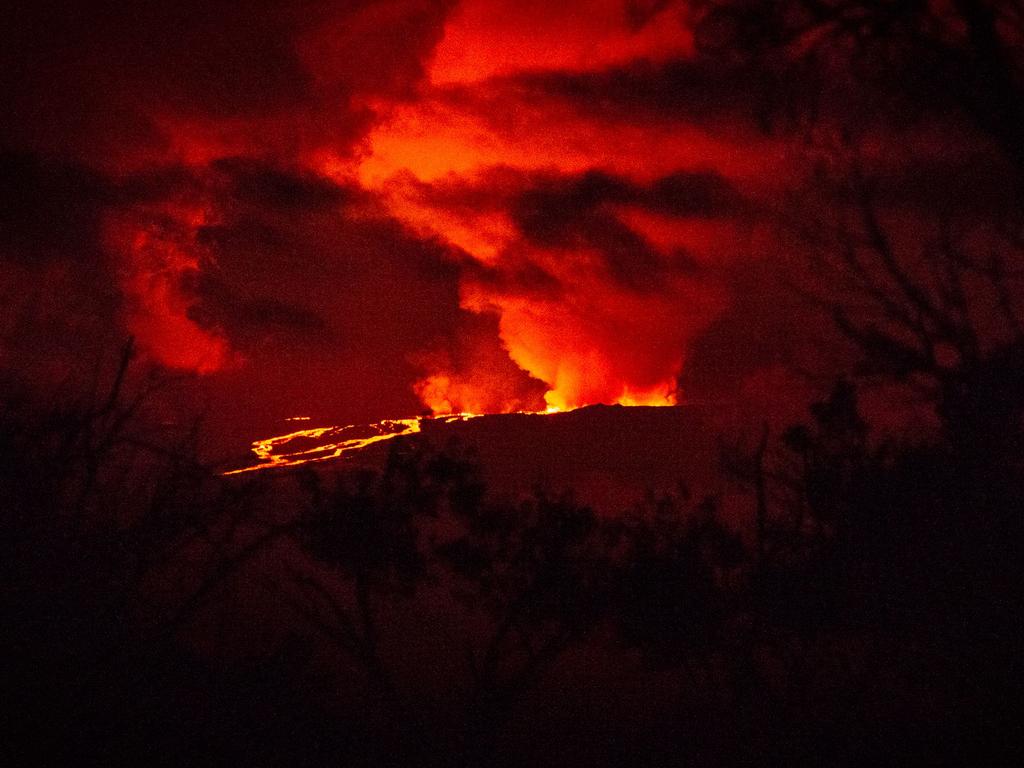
(591, 241)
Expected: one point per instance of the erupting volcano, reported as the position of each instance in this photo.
(318, 444)
(457, 205)
(609, 455)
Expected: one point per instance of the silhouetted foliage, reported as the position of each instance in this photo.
(675, 596)
(97, 497)
(873, 592)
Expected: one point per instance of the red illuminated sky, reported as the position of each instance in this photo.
(369, 208)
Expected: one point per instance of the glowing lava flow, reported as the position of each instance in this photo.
(305, 446)
(324, 443)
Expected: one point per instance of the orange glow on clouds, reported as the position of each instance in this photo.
(593, 340)
(432, 139)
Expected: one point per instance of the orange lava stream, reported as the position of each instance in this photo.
(276, 452)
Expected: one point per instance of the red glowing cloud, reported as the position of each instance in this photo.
(477, 205)
(594, 241)
(486, 38)
(158, 258)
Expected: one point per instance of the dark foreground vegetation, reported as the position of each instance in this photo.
(156, 613)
